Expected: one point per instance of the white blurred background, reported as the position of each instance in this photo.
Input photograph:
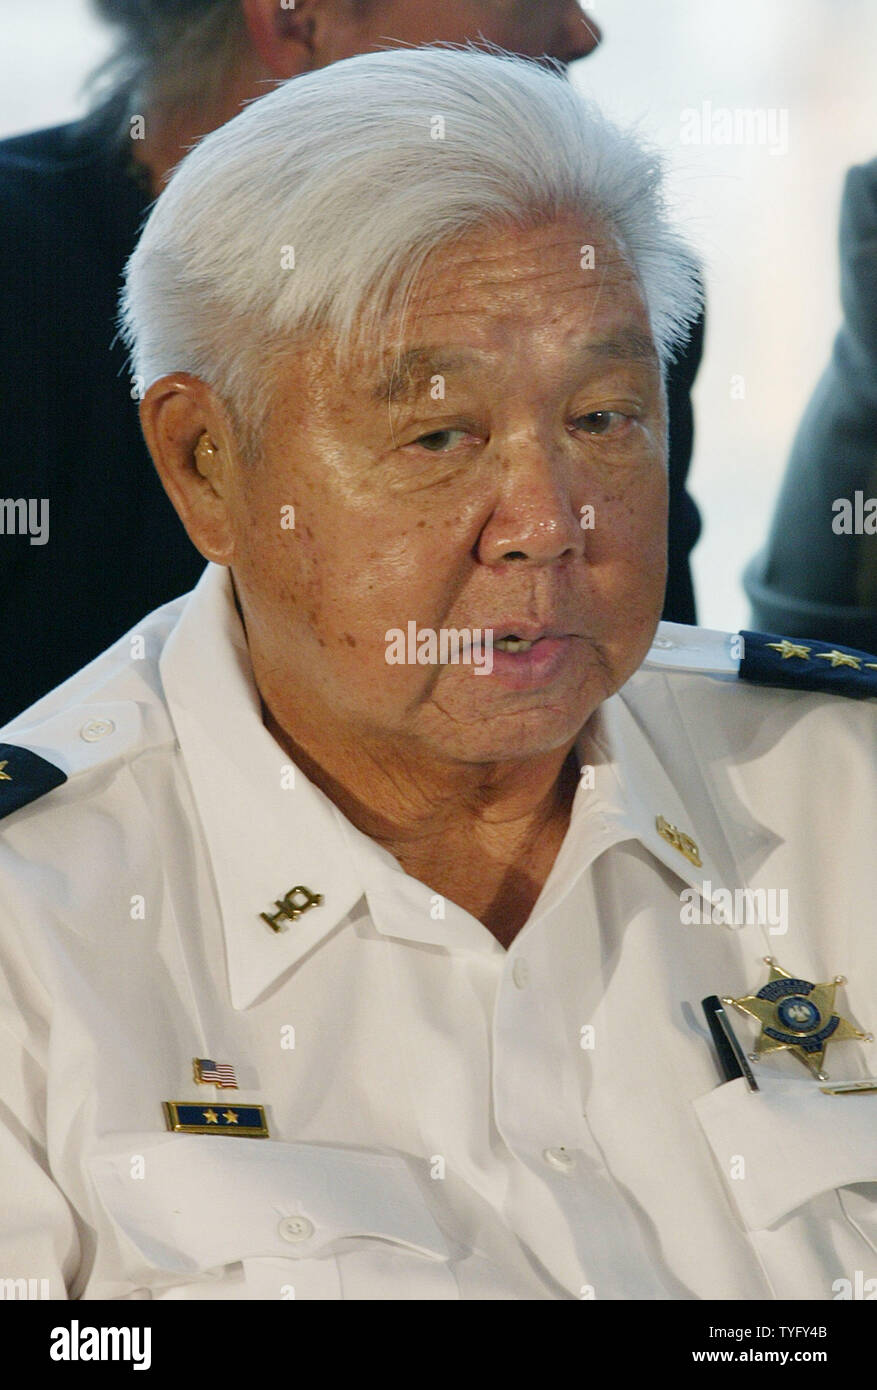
(765, 223)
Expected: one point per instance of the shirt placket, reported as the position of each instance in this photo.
(562, 1200)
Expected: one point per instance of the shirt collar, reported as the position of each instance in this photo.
(624, 790)
(641, 792)
(268, 828)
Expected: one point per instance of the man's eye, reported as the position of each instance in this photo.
(439, 440)
(601, 421)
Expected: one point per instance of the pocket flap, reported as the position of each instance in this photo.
(795, 1142)
(202, 1201)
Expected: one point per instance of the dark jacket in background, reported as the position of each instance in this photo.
(809, 580)
(71, 207)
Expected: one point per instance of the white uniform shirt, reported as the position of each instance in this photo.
(447, 1119)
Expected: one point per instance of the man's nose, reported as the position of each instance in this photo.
(534, 520)
(578, 35)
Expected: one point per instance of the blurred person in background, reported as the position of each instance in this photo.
(72, 199)
(817, 574)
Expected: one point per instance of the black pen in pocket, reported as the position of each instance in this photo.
(732, 1058)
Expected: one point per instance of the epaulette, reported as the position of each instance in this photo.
(698, 650)
(802, 663)
(24, 776)
(72, 740)
(763, 658)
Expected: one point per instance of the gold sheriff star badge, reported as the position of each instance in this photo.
(797, 1015)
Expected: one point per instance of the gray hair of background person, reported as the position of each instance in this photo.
(318, 207)
(170, 51)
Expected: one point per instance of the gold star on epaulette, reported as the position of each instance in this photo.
(787, 649)
(842, 659)
(797, 1015)
(4, 776)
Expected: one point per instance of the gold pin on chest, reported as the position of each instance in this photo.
(797, 1015)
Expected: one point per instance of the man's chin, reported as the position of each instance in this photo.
(515, 739)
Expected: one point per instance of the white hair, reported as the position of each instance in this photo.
(317, 208)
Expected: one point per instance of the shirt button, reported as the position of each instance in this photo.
(97, 728)
(664, 643)
(559, 1159)
(520, 972)
(295, 1228)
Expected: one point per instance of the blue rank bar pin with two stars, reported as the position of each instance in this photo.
(185, 1117)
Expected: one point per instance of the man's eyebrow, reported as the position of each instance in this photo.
(416, 366)
(627, 346)
(408, 372)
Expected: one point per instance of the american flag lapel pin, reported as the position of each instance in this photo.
(210, 1073)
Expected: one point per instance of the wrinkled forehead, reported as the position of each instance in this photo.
(407, 372)
(553, 279)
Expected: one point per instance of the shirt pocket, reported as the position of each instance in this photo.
(269, 1219)
(780, 1147)
(800, 1169)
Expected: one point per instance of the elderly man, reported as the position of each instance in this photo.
(72, 203)
(367, 895)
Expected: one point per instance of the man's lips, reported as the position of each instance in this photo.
(534, 664)
(526, 632)
(526, 629)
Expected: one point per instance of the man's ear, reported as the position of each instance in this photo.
(294, 38)
(189, 436)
